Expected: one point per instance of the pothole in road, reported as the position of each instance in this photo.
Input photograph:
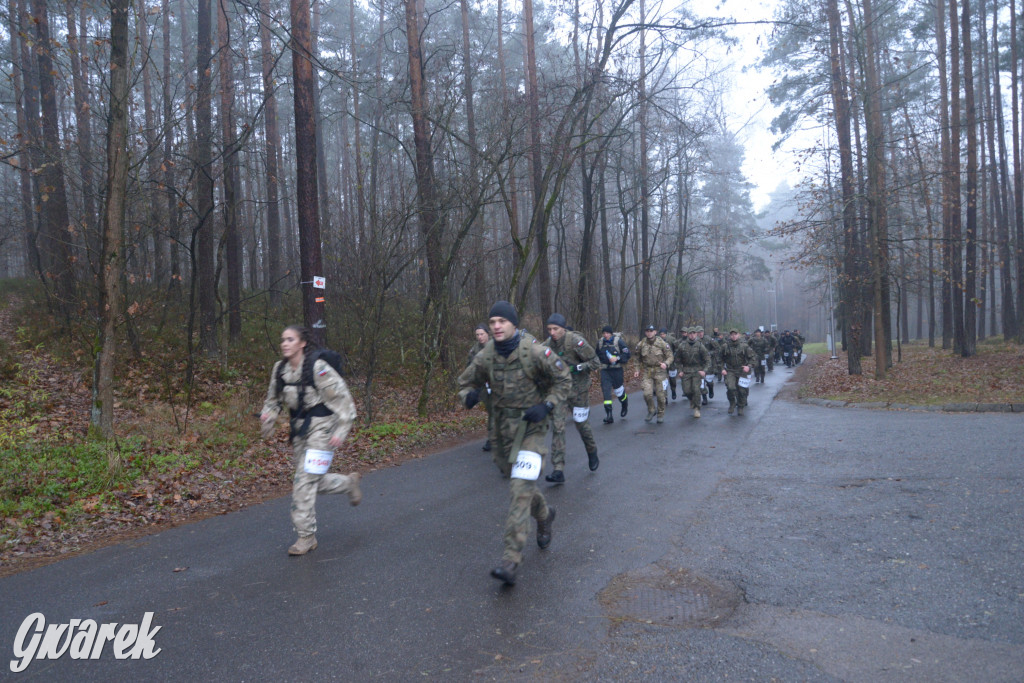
(670, 597)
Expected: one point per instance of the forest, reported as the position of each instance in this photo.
(182, 178)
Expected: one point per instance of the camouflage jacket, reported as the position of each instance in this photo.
(760, 347)
(328, 388)
(578, 354)
(736, 354)
(654, 352)
(531, 374)
(692, 356)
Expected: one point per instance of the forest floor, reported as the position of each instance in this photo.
(60, 496)
(925, 376)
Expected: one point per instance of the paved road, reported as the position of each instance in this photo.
(794, 543)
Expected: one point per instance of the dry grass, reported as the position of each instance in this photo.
(926, 376)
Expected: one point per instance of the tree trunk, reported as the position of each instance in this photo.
(54, 213)
(203, 242)
(306, 195)
(82, 108)
(111, 263)
(955, 233)
(645, 246)
(275, 271)
(841, 106)
(231, 188)
(538, 217)
(970, 325)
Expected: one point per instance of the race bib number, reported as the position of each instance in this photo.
(673, 373)
(709, 379)
(317, 462)
(619, 391)
(664, 385)
(743, 382)
(581, 414)
(527, 466)
(786, 354)
(764, 362)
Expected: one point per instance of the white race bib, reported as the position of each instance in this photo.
(581, 414)
(709, 379)
(664, 385)
(527, 466)
(619, 391)
(317, 462)
(743, 382)
(764, 362)
(673, 373)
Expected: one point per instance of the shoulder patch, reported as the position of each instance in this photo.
(580, 343)
(559, 364)
(322, 373)
(547, 352)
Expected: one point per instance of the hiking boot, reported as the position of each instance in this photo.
(593, 461)
(625, 406)
(739, 411)
(661, 420)
(506, 571)
(544, 529)
(731, 408)
(608, 419)
(487, 445)
(650, 416)
(303, 545)
(673, 394)
(696, 412)
(355, 494)
(556, 477)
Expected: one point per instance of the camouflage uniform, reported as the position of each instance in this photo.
(714, 346)
(761, 348)
(736, 354)
(485, 395)
(672, 342)
(330, 390)
(773, 343)
(517, 385)
(650, 354)
(581, 358)
(691, 358)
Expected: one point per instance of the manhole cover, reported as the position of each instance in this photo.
(671, 597)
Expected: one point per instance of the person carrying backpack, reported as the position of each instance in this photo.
(307, 380)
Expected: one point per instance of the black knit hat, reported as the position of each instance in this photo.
(503, 309)
(557, 319)
(608, 329)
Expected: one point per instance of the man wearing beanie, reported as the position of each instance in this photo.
(613, 354)
(579, 355)
(528, 382)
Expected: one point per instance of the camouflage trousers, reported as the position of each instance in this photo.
(737, 394)
(525, 499)
(578, 398)
(654, 387)
(306, 486)
(692, 383)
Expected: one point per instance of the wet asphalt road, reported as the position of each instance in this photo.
(795, 543)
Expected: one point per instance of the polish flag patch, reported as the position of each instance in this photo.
(322, 373)
(580, 343)
(547, 352)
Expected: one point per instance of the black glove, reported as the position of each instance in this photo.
(538, 412)
(472, 398)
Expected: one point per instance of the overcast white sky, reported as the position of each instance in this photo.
(750, 111)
